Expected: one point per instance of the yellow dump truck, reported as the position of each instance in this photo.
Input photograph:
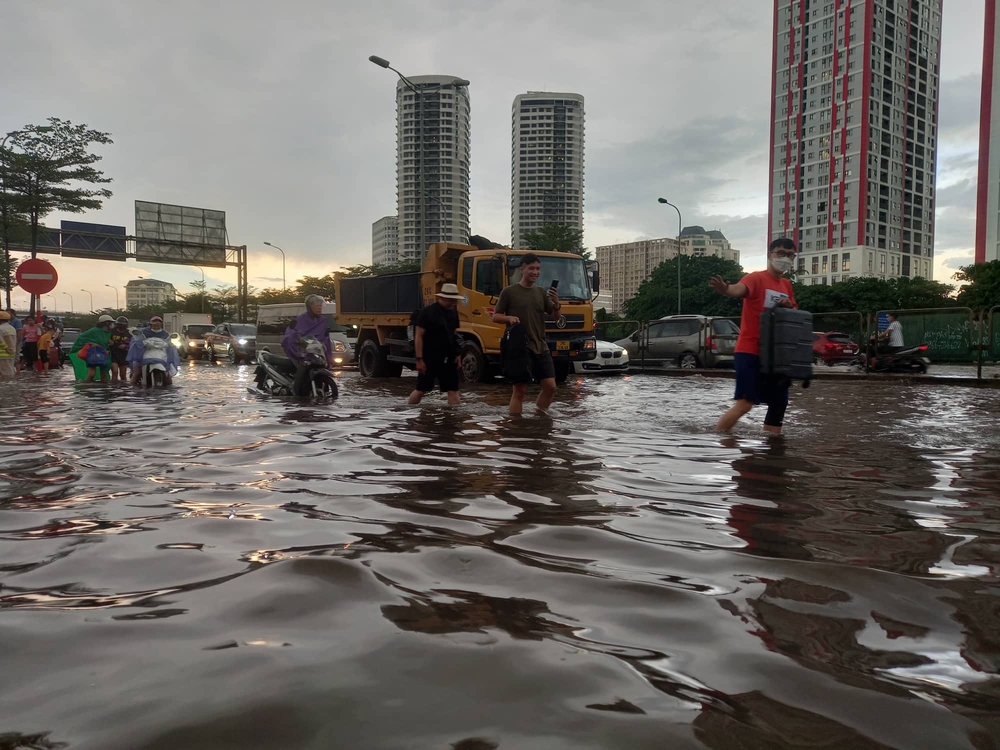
(381, 308)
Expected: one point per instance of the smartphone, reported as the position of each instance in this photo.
(555, 284)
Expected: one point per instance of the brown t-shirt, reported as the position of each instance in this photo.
(531, 305)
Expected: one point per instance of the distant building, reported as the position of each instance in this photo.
(385, 240)
(624, 267)
(546, 162)
(988, 199)
(854, 135)
(148, 293)
(604, 300)
(433, 152)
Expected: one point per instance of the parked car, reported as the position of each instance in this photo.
(274, 320)
(834, 348)
(610, 358)
(66, 342)
(235, 341)
(689, 341)
(190, 341)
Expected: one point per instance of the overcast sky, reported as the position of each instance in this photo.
(271, 112)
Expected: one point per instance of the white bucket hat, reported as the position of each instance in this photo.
(449, 291)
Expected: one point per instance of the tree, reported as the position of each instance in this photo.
(559, 237)
(225, 299)
(867, 294)
(980, 287)
(7, 274)
(657, 296)
(52, 164)
(271, 296)
(321, 285)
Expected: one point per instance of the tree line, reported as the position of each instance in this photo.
(978, 287)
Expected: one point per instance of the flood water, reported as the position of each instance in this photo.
(205, 568)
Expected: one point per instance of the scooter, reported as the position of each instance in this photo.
(154, 362)
(276, 375)
(911, 360)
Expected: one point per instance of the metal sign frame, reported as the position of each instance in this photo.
(235, 255)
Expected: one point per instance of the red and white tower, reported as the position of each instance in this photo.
(854, 131)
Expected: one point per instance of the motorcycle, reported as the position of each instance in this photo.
(154, 362)
(910, 360)
(277, 375)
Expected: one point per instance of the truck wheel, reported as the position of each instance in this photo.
(373, 363)
(475, 368)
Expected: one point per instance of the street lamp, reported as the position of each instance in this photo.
(70, 302)
(55, 305)
(202, 288)
(283, 286)
(117, 307)
(91, 299)
(680, 225)
(418, 100)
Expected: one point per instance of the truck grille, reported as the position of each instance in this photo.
(574, 322)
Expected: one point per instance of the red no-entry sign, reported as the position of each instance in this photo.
(36, 276)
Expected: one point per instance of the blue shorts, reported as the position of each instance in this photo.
(761, 389)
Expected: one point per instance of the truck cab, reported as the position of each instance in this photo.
(381, 306)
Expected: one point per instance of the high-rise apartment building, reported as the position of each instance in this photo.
(624, 267)
(854, 126)
(988, 198)
(432, 163)
(546, 162)
(148, 293)
(385, 240)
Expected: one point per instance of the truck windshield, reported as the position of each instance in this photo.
(570, 270)
(243, 330)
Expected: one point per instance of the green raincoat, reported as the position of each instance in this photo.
(95, 335)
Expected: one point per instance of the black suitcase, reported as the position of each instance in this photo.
(786, 343)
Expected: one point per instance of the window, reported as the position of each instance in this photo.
(467, 273)
(845, 262)
(815, 265)
(489, 279)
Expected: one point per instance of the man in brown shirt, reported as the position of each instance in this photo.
(524, 304)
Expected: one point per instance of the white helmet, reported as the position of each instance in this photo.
(105, 319)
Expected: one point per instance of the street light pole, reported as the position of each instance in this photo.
(55, 305)
(117, 307)
(91, 299)
(680, 230)
(70, 301)
(283, 285)
(203, 295)
(418, 101)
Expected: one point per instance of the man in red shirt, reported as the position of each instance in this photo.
(760, 291)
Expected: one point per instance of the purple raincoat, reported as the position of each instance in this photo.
(307, 324)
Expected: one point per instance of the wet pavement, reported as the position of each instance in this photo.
(205, 568)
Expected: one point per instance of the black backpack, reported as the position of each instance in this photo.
(514, 355)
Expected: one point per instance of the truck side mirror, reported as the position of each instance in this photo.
(595, 279)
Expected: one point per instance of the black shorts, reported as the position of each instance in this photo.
(540, 367)
(29, 349)
(757, 388)
(445, 373)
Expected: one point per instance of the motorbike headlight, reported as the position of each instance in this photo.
(190, 343)
(338, 346)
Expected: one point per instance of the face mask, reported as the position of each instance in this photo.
(782, 265)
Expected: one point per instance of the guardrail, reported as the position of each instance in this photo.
(954, 335)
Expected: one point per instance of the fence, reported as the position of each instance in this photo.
(954, 335)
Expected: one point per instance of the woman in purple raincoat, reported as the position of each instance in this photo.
(310, 323)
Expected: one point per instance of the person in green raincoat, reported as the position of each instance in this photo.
(98, 336)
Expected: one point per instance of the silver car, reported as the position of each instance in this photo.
(688, 341)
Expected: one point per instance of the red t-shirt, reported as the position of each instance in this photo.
(763, 293)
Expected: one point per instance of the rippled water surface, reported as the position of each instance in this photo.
(205, 568)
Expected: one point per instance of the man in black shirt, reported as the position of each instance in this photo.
(436, 347)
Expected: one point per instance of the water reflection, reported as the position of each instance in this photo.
(202, 568)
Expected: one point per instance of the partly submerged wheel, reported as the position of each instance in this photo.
(475, 368)
(324, 385)
(233, 358)
(373, 361)
(688, 361)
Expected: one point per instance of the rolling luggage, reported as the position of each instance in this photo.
(786, 343)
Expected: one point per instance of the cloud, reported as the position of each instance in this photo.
(959, 261)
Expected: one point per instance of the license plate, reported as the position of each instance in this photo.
(562, 345)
